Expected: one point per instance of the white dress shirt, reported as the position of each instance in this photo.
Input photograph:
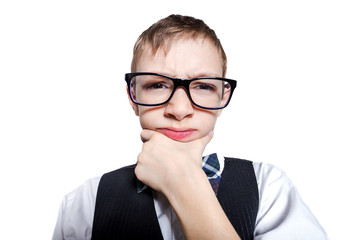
(282, 213)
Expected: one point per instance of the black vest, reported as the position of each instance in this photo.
(122, 213)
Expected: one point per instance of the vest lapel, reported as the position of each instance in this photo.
(238, 196)
(121, 212)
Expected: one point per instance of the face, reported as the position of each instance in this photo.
(179, 119)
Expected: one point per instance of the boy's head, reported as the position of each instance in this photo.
(173, 49)
(163, 33)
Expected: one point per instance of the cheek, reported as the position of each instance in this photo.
(148, 117)
(207, 122)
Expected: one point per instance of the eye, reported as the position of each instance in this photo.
(155, 85)
(204, 86)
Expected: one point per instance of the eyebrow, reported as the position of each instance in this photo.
(192, 75)
(204, 74)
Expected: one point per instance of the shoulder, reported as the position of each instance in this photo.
(82, 199)
(281, 207)
(121, 172)
(274, 186)
(85, 195)
(265, 173)
(88, 190)
(268, 174)
(268, 177)
(76, 213)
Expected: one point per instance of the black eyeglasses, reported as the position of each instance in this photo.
(153, 89)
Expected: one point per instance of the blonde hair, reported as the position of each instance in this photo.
(162, 33)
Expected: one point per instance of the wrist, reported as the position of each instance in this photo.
(183, 185)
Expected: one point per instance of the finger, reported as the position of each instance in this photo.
(146, 135)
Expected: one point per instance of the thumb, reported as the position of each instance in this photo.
(146, 134)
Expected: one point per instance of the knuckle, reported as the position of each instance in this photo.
(156, 136)
(138, 172)
(139, 158)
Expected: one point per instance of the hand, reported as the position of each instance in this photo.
(174, 168)
(164, 163)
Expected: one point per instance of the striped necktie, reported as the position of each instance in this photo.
(211, 167)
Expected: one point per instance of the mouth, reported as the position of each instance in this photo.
(176, 133)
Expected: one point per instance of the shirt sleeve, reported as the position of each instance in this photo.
(282, 213)
(76, 213)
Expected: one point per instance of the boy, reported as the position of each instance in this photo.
(178, 89)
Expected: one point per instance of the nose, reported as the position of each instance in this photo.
(179, 106)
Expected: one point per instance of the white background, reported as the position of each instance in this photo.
(64, 113)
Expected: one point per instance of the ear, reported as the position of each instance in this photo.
(134, 106)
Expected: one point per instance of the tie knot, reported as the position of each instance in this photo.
(211, 165)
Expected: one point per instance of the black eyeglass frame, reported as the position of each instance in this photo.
(178, 82)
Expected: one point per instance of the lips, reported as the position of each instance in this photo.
(177, 134)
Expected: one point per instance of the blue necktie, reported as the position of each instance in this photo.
(211, 167)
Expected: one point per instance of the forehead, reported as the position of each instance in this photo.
(185, 57)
